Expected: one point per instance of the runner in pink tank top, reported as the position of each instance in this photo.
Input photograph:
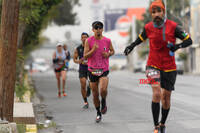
(97, 50)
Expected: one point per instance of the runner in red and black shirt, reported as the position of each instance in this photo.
(161, 66)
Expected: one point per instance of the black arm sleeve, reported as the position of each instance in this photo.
(68, 56)
(55, 61)
(142, 37)
(179, 33)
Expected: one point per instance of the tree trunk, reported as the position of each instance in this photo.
(8, 52)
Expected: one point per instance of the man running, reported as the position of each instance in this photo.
(59, 59)
(161, 66)
(97, 50)
(83, 68)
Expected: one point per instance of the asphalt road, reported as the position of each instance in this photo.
(129, 105)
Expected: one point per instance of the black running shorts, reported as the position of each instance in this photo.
(59, 70)
(94, 78)
(83, 74)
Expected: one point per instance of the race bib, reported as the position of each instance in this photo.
(152, 73)
(97, 72)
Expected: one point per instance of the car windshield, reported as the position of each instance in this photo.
(118, 56)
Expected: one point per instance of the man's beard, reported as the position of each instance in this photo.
(158, 21)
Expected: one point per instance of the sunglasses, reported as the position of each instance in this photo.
(96, 27)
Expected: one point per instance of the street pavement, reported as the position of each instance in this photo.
(129, 104)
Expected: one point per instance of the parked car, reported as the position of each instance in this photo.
(73, 66)
(117, 62)
(179, 65)
(138, 66)
(40, 65)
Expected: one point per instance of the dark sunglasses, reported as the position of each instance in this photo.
(156, 9)
(96, 27)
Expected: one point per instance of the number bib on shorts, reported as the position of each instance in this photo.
(96, 72)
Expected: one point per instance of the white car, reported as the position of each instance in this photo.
(40, 65)
(179, 65)
(73, 66)
(117, 61)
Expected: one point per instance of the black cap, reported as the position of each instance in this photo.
(84, 33)
(97, 23)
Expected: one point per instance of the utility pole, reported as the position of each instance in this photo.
(8, 53)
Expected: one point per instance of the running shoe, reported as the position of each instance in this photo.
(64, 94)
(86, 106)
(98, 118)
(156, 130)
(88, 91)
(162, 129)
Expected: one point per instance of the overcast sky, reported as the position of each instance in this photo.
(85, 13)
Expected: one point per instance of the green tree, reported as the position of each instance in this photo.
(65, 14)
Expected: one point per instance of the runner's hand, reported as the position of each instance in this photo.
(59, 57)
(95, 46)
(81, 61)
(105, 54)
(172, 47)
(128, 50)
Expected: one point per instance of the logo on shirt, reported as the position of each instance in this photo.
(184, 34)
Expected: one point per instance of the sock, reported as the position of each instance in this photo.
(155, 112)
(103, 102)
(165, 113)
(98, 111)
(85, 100)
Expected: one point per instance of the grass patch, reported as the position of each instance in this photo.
(21, 128)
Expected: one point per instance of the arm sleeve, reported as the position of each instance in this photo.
(55, 61)
(185, 37)
(68, 56)
(143, 35)
(141, 38)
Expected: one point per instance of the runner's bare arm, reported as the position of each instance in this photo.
(54, 55)
(75, 58)
(87, 52)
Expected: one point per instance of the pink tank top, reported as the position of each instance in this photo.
(97, 61)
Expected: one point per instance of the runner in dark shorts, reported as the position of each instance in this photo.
(161, 66)
(97, 50)
(59, 60)
(83, 69)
